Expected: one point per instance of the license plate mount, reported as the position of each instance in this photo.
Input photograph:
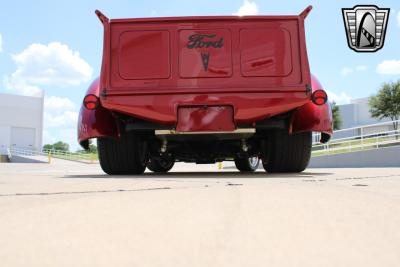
(205, 118)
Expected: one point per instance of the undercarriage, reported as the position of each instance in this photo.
(158, 149)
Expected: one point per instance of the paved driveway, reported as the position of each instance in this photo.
(71, 214)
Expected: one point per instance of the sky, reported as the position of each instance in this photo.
(55, 47)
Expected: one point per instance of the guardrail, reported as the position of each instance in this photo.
(359, 138)
(73, 156)
(49, 154)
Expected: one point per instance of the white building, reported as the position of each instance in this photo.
(357, 114)
(21, 122)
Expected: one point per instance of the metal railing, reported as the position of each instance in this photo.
(49, 154)
(358, 138)
(73, 156)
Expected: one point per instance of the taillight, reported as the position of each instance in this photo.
(319, 97)
(91, 102)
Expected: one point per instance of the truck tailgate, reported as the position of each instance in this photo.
(184, 55)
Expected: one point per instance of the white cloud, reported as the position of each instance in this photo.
(20, 87)
(54, 64)
(346, 71)
(60, 120)
(361, 68)
(247, 8)
(64, 119)
(339, 99)
(390, 67)
(48, 138)
(58, 103)
(1, 43)
(68, 136)
(398, 18)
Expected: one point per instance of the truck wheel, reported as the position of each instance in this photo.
(287, 153)
(127, 155)
(245, 164)
(160, 164)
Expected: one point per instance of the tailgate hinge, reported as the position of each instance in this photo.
(103, 93)
(308, 88)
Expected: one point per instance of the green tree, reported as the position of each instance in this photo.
(337, 119)
(57, 146)
(386, 104)
(61, 146)
(48, 147)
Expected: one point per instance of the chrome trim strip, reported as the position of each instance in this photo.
(237, 131)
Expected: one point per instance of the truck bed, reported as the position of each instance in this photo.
(204, 60)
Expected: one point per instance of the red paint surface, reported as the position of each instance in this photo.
(151, 56)
(311, 117)
(205, 118)
(143, 55)
(148, 71)
(96, 123)
(190, 60)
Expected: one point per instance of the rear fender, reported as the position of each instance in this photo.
(311, 117)
(95, 123)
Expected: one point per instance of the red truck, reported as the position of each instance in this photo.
(204, 90)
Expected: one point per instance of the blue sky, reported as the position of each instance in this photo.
(56, 47)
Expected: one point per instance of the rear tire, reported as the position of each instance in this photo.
(285, 152)
(126, 155)
(247, 164)
(160, 165)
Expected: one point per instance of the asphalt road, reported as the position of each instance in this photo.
(71, 214)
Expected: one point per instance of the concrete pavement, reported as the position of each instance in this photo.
(71, 214)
